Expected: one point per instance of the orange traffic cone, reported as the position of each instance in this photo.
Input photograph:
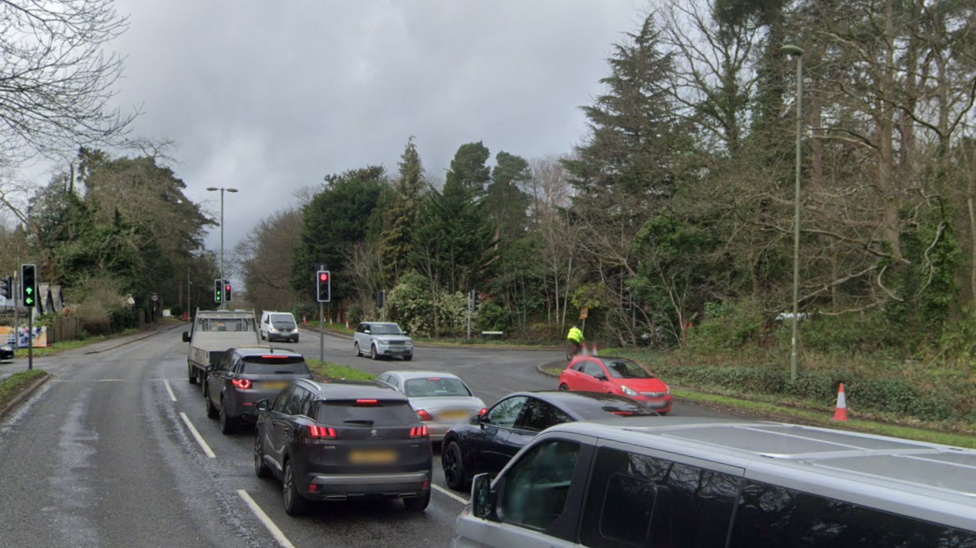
(347, 324)
(840, 414)
(595, 351)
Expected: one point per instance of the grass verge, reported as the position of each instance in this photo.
(57, 347)
(334, 371)
(554, 370)
(14, 385)
(771, 411)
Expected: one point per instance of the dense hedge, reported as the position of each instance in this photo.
(942, 399)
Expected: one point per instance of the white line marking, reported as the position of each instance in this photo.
(197, 436)
(272, 528)
(169, 389)
(440, 489)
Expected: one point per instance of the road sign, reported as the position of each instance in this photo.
(154, 297)
(584, 312)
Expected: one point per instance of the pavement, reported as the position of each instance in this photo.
(116, 450)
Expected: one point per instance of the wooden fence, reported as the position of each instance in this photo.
(63, 328)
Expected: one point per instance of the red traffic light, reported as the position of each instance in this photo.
(227, 288)
(324, 276)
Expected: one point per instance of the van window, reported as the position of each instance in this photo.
(537, 486)
(636, 500)
(770, 516)
(283, 321)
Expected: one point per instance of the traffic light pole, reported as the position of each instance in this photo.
(30, 339)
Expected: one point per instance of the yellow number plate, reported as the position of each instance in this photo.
(274, 385)
(372, 457)
(454, 415)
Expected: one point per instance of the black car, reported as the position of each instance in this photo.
(341, 441)
(490, 440)
(6, 352)
(245, 375)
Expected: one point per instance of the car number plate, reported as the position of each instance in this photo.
(454, 415)
(372, 457)
(274, 385)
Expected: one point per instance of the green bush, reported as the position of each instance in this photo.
(860, 333)
(176, 311)
(412, 306)
(727, 326)
(492, 317)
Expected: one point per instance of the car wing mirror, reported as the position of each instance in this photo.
(262, 405)
(186, 336)
(601, 377)
(482, 497)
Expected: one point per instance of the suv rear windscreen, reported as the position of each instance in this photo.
(271, 365)
(383, 413)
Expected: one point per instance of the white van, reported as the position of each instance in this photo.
(718, 483)
(278, 326)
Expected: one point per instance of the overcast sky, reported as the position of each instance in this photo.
(270, 96)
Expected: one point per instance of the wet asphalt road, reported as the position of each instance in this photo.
(102, 456)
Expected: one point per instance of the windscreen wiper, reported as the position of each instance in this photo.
(366, 422)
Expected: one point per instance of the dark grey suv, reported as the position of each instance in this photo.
(341, 441)
(245, 375)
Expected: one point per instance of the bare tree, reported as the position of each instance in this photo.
(57, 80)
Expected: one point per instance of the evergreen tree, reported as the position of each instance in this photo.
(469, 169)
(401, 217)
(506, 202)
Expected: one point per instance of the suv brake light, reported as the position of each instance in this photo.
(243, 384)
(419, 432)
(321, 432)
(367, 402)
(424, 415)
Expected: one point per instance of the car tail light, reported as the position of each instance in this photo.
(367, 402)
(623, 413)
(424, 415)
(321, 432)
(419, 432)
(243, 384)
(483, 411)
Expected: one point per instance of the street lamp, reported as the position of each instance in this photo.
(795, 51)
(223, 302)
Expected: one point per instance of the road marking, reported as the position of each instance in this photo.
(169, 389)
(440, 489)
(272, 528)
(197, 436)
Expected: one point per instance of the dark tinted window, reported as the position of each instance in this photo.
(538, 415)
(384, 413)
(605, 406)
(270, 365)
(293, 405)
(636, 500)
(537, 485)
(435, 387)
(506, 412)
(770, 516)
(626, 369)
(281, 399)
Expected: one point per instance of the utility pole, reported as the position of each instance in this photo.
(798, 53)
(470, 306)
(223, 302)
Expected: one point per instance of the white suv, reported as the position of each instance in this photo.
(382, 339)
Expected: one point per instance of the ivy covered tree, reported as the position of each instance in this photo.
(401, 217)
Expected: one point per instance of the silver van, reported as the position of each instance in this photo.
(723, 483)
(278, 326)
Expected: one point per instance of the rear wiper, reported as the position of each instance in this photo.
(284, 372)
(367, 422)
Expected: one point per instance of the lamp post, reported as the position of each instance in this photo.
(795, 51)
(223, 302)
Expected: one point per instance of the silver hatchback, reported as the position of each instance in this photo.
(441, 400)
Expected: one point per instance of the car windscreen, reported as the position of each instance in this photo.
(275, 365)
(606, 406)
(385, 329)
(626, 369)
(435, 387)
(367, 412)
(283, 321)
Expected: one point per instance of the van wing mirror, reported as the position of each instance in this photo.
(186, 336)
(482, 497)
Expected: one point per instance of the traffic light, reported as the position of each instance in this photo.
(7, 287)
(218, 291)
(227, 295)
(28, 273)
(380, 299)
(473, 299)
(323, 286)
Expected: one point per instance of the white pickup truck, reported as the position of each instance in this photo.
(213, 332)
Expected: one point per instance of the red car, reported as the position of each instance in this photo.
(616, 376)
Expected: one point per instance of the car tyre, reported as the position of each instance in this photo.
(296, 340)
(212, 412)
(372, 352)
(453, 464)
(261, 469)
(355, 347)
(190, 375)
(295, 503)
(408, 357)
(418, 504)
(564, 387)
(226, 422)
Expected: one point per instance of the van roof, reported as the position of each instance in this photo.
(833, 463)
